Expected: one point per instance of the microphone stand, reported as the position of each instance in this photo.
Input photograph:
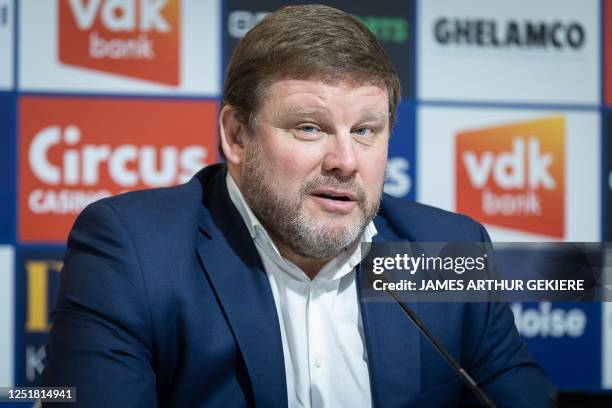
(467, 379)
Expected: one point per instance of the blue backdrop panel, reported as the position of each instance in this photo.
(400, 178)
(8, 167)
(565, 338)
(607, 175)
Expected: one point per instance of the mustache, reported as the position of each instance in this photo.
(347, 183)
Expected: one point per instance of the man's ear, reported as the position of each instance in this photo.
(232, 133)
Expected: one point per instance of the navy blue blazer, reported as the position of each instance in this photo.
(164, 301)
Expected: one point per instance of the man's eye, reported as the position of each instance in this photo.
(308, 129)
(364, 131)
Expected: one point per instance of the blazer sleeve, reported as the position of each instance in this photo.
(502, 365)
(101, 336)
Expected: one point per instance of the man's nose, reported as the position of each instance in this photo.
(340, 156)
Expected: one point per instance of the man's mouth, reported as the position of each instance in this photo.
(337, 195)
(331, 197)
(336, 201)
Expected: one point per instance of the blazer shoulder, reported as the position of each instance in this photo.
(424, 223)
(157, 201)
(169, 214)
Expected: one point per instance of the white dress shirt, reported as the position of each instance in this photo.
(326, 362)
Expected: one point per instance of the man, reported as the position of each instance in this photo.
(240, 287)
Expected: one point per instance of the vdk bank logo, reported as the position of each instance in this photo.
(134, 38)
(513, 176)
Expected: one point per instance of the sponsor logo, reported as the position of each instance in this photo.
(522, 34)
(386, 29)
(513, 176)
(239, 22)
(546, 321)
(4, 15)
(40, 282)
(6, 44)
(397, 177)
(134, 38)
(607, 35)
(73, 152)
(393, 28)
(39, 272)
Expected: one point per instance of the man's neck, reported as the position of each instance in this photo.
(311, 267)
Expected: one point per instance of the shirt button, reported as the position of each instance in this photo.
(317, 361)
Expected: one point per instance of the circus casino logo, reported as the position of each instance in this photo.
(513, 176)
(133, 38)
(38, 282)
(74, 151)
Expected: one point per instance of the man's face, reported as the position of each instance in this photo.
(313, 172)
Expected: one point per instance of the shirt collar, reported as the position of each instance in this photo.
(335, 268)
(245, 211)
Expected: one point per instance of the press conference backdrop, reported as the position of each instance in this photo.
(505, 116)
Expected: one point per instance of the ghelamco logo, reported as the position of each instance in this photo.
(513, 176)
(134, 38)
(519, 34)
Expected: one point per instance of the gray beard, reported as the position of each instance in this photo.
(286, 223)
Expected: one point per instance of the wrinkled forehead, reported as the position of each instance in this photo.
(318, 97)
(347, 80)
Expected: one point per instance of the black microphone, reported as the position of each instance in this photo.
(467, 379)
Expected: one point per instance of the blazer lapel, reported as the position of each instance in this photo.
(234, 269)
(392, 342)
